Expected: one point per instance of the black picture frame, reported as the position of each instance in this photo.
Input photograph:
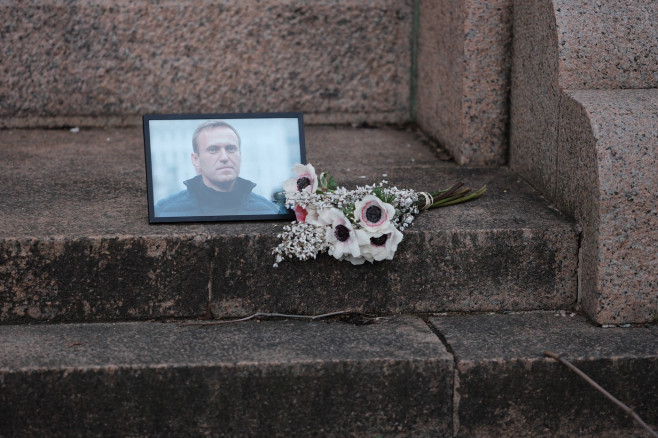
(185, 186)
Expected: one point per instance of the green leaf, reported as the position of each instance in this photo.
(381, 194)
(349, 212)
(332, 184)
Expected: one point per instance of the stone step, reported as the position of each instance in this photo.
(240, 380)
(584, 123)
(505, 386)
(96, 63)
(76, 244)
(609, 139)
(394, 377)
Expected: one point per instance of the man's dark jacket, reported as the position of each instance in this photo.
(200, 200)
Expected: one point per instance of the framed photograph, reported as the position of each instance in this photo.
(220, 167)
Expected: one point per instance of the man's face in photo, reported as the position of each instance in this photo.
(219, 158)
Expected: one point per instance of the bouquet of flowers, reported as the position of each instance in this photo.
(364, 224)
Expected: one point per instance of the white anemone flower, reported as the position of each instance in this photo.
(309, 215)
(373, 214)
(380, 245)
(306, 179)
(340, 235)
(354, 260)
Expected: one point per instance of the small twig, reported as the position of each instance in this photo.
(264, 315)
(585, 377)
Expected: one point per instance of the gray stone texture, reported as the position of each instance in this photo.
(506, 250)
(99, 63)
(75, 241)
(254, 379)
(505, 386)
(76, 244)
(586, 141)
(463, 67)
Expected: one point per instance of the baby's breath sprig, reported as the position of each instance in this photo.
(300, 240)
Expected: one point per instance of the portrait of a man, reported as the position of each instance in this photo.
(213, 182)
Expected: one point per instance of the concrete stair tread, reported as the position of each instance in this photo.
(76, 244)
(92, 183)
(474, 375)
(277, 378)
(505, 386)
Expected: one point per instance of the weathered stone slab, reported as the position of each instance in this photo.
(449, 269)
(588, 150)
(103, 278)
(506, 251)
(608, 138)
(534, 96)
(98, 63)
(284, 378)
(76, 244)
(504, 386)
(464, 62)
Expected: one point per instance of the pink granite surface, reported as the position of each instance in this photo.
(464, 63)
(592, 152)
(607, 44)
(618, 210)
(572, 44)
(534, 95)
(93, 63)
(487, 63)
(439, 100)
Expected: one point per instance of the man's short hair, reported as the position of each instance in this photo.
(211, 124)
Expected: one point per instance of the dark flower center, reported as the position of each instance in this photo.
(342, 233)
(379, 241)
(373, 214)
(303, 182)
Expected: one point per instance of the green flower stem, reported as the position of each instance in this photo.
(450, 192)
(459, 197)
(451, 196)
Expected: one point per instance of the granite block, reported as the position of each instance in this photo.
(439, 71)
(534, 95)
(607, 44)
(505, 386)
(93, 63)
(608, 137)
(571, 45)
(103, 278)
(269, 379)
(464, 60)
(487, 62)
(590, 151)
